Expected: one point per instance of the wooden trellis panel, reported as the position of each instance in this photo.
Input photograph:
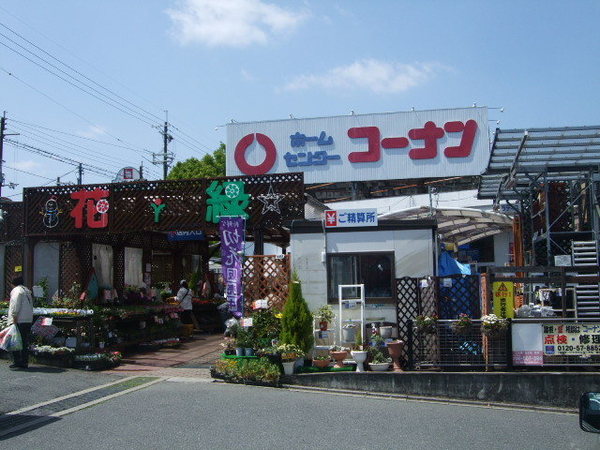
(11, 227)
(71, 271)
(13, 257)
(266, 277)
(130, 209)
(461, 294)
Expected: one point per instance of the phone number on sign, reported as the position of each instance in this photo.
(578, 349)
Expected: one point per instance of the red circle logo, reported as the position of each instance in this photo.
(240, 154)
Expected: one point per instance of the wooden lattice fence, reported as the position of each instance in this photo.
(13, 257)
(266, 277)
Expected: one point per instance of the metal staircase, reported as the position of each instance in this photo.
(585, 253)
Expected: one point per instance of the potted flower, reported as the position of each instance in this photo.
(324, 315)
(321, 361)
(339, 354)
(426, 324)
(462, 325)
(289, 354)
(493, 326)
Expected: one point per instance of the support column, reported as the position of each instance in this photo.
(259, 241)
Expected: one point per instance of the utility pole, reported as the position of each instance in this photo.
(2, 135)
(165, 158)
(80, 174)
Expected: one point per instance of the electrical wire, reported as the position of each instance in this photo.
(118, 139)
(26, 172)
(56, 157)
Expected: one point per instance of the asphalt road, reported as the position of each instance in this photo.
(41, 383)
(220, 416)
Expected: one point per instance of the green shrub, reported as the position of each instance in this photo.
(252, 370)
(297, 321)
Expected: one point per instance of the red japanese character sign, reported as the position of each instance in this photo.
(91, 208)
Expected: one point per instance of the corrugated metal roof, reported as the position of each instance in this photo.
(519, 155)
(458, 225)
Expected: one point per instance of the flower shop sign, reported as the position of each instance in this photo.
(232, 230)
(265, 201)
(576, 339)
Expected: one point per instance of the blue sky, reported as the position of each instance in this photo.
(210, 61)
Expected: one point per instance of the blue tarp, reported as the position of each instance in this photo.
(449, 266)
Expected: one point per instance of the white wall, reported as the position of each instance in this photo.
(413, 257)
(502, 248)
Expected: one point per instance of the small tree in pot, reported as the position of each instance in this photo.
(325, 316)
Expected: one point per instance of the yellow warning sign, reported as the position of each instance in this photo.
(504, 299)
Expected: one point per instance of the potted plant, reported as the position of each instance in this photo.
(296, 320)
(462, 325)
(493, 326)
(244, 341)
(289, 354)
(321, 361)
(358, 353)
(395, 351)
(349, 332)
(324, 315)
(426, 324)
(339, 354)
(379, 362)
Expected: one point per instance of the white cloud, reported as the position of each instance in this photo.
(370, 75)
(247, 75)
(92, 131)
(230, 23)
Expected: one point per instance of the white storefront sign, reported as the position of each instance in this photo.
(413, 144)
(366, 217)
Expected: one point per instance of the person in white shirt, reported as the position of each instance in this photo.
(184, 297)
(20, 313)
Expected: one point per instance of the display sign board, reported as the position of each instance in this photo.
(504, 299)
(342, 218)
(576, 339)
(267, 201)
(185, 236)
(527, 344)
(232, 230)
(400, 145)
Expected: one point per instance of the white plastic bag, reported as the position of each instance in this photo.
(10, 339)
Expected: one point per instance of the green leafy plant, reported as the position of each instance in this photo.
(265, 327)
(324, 314)
(248, 371)
(296, 321)
(426, 324)
(289, 352)
(243, 338)
(322, 358)
(462, 325)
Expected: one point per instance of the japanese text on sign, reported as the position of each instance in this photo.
(504, 299)
(351, 218)
(571, 339)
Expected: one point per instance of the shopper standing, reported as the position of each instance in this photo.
(184, 297)
(20, 313)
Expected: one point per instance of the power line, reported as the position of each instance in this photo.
(63, 159)
(27, 172)
(94, 153)
(79, 149)
(118, 139)
(97, 97)
(81, 74)
(63, 148)
(114, 99)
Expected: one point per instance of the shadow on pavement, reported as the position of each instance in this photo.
(22, 423)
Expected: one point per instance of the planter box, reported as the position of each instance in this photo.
(64, 361)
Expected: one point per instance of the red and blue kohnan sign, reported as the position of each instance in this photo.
(413, 144)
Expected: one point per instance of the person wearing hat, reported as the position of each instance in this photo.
(184, 297)
(20, 313)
